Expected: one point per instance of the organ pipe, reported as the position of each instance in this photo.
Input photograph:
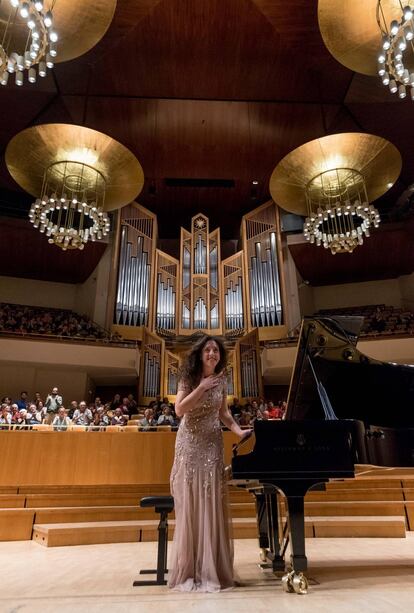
(265, 303)
(165, 305)
(233, 300)
(133, 283)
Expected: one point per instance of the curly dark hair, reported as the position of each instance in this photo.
(192, 367)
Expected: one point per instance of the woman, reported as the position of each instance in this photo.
(202, 554)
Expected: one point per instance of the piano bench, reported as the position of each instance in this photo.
(163, 505)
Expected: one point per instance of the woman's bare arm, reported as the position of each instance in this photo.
(227, 419)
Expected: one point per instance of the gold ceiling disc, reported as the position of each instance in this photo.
(33, 150)
(375, 158)
(80, 25)
(351, 33)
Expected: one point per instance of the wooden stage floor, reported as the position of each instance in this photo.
(353, 575)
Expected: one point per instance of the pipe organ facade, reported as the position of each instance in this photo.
(172, 299)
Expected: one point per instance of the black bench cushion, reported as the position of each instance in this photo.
(160, 502)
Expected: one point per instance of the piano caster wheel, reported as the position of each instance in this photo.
(295, 583)
(300, 583)
(263, 555)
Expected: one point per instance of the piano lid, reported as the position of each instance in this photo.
(358, 387)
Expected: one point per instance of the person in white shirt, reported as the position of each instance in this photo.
(82, 416)
(61, 421)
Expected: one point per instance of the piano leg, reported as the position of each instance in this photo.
(270, 541)
(295, 580)
(296, 510)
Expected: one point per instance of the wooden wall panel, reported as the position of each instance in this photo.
(89, 458)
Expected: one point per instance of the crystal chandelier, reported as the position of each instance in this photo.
(396, 57)
(27, 39)
(70, 208)
(339, 213)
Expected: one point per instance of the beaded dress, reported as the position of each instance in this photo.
(202, 557)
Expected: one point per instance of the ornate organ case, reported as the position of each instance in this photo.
(200, 305)
(159, 297)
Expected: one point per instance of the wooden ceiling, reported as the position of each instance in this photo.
(210, 89)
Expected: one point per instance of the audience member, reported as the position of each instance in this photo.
(52, 404)
(73, 407)
(245, 417)
(166, 418)
(149, 421)
(124, 406)
(61, 420)
(133, 405)
(119, 418)
(274, 412)
(83, 415)
(23, 401)
(5, 415)
(116, 402)
(235, 408)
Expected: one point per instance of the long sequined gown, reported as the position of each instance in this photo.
(202, 555)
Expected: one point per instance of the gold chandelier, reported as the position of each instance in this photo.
(372, 37)
(396, 57)
(328, 180)
(27, 39)
(30, 31)
(78, 175)
(70, 207)
(339, 214)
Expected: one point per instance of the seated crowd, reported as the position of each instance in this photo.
(98, 415)
(257, 410)
(21, 319)
(379, 319)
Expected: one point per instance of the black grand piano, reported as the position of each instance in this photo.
(344, 408)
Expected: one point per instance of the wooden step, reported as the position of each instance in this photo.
(409, 511)
(8, 489)
(367, 508)
(88, 533)
(81, 500)
(243, 509)
(353, 484)
(341, 527)
(347, 494)
(10, 501)
(147, 489)
(16, 524)
(237, 510)
(61, 515)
